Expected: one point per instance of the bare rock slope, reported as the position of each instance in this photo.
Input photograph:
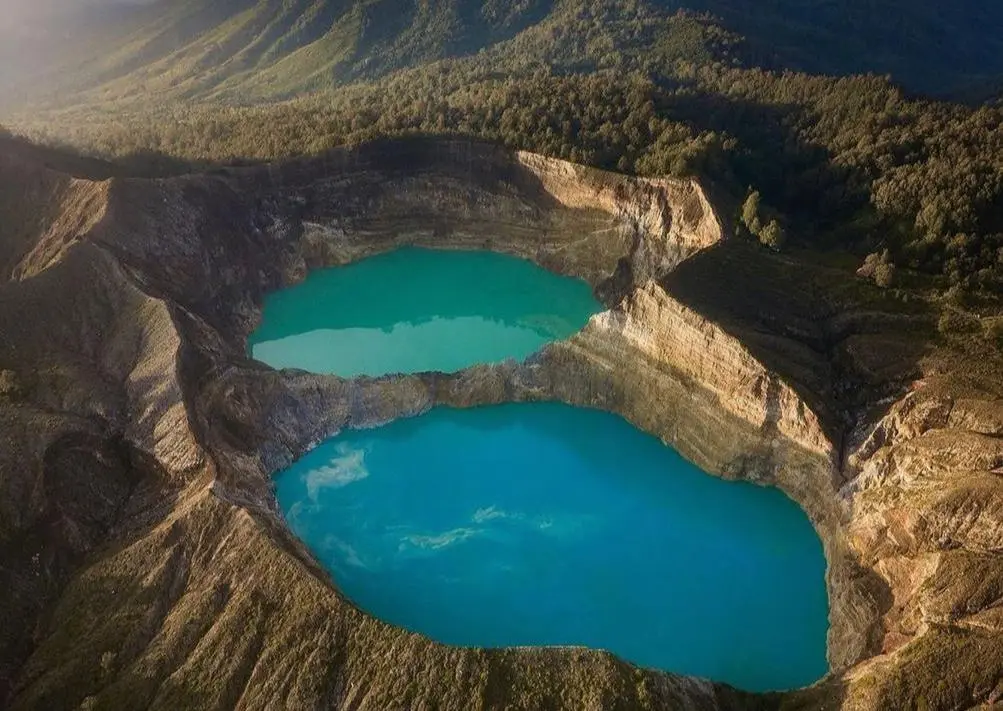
(145, 564)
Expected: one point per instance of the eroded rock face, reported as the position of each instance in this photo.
(146, 564)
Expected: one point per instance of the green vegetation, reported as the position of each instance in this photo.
(931, 46)
(879, 268)
(772, 235)
(767, 230)
(750, 212)
(245, 50)
(849, 164)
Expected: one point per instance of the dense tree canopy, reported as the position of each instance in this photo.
(836, 162)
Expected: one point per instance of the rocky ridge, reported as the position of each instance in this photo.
(146, 564)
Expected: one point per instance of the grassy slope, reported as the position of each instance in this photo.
(257, 50)
(243, 50)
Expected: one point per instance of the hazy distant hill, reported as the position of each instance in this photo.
(256, 49)
(926, 45)
(250, 50)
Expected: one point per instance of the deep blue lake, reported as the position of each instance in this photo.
(543, 524)
(415, 310)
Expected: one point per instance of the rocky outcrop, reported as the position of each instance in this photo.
(667, 332)
(146, 564)
(674, 216)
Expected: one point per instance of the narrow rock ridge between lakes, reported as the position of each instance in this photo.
(146, 560)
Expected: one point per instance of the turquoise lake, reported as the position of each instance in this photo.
(415, 310)
(543, 524)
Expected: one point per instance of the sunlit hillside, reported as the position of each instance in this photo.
(253, 50)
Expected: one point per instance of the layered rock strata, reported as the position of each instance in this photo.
(145, 563)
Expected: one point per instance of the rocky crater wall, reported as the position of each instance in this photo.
(164, 576)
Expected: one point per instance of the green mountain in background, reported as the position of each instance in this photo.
(245, 50)
(254, 50)
(929, 46)
(830, 163)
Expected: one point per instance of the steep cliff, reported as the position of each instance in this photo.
(146, 564)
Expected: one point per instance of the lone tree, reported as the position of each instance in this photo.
(750, 213)
(878, 267)
(770, 234)
(773, 235)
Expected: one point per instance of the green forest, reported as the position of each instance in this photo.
(853, 163)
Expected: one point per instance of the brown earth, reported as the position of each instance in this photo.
(145, 563)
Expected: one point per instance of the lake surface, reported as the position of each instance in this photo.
(543, 524)
(417, 310)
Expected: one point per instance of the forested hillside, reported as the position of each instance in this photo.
(818, 162)
(241, 50)
(833, 162)
(943, 48)
(251, 50)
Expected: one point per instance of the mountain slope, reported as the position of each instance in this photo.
(266, 48)
(926, 45)
(146, 565)
(256, 50)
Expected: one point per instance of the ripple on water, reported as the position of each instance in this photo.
(543, 524)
